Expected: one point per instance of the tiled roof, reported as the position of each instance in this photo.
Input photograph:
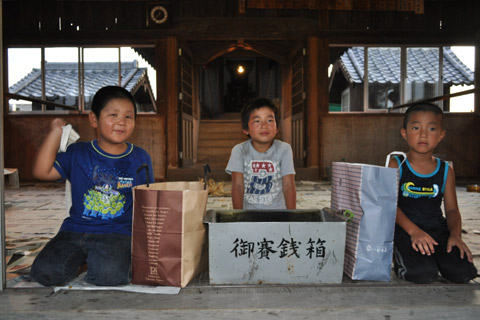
(384, 66)
(61, 79)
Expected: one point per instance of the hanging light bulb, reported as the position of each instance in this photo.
(240, 69)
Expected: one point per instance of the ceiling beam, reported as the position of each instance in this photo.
(416, 6)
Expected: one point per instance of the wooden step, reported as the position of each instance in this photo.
(216, 140)
(220, 126)
(216, 143)
(194, 174)
(215, 163)
(222, 136)
(219, 157)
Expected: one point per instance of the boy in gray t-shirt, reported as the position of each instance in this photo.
(263, 175)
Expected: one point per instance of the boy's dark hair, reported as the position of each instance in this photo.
(257, 104)
(421, 106)
(106, 94)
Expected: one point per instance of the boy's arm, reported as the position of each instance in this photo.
(454, 219)
(237, 190)
(421, 241)
(43, 168)
(289, 191)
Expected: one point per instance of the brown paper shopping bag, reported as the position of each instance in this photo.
(168, 233)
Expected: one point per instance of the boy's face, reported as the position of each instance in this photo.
(424, 131)
(116, 122)
(262, 127)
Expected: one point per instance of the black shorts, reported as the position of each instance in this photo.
(415, 267)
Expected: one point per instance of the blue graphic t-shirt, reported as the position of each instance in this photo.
(420, 196)
(101, 186)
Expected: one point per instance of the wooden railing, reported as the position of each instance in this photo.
(433, 99)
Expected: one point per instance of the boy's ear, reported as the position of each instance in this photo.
(442, 135)
(245, 131)
(403, 132)
(93, 119)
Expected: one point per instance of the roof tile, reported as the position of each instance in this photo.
(384, 65)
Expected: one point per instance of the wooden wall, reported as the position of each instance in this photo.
(363, 137)
(24, 134)
(368, 138)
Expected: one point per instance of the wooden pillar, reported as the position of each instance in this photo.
(323, 96)
(169, 89)
(476, 107)
(3, 270)
(313, 92)
(286, 107)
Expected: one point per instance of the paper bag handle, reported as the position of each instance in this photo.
(144, 166)
(394, 153)
(206, 170)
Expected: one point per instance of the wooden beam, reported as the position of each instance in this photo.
(40, 101)
(311, 112)
(419, 7)
(172, 118)
(476, 98)
(286, 106)
(323, 97)
(341, 5)
(241, 6)
(3, 279)
(438, 98)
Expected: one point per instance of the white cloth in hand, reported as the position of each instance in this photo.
(69, 136)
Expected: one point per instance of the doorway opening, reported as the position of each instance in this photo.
(228, 83)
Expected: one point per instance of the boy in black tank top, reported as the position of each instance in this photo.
(425, 241)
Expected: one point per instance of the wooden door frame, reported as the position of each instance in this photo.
(317, 97)
(187, 122)
(167, 89)
(3, 270)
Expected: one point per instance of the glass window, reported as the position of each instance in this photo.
(100, 68)
(61, 77)
(466, 58)
(383, 77)
(423, 78)
(24, 77)
(346, 79)
(68, 77)
(145, 95)
(400, 75)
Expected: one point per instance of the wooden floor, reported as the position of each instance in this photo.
(35, 211)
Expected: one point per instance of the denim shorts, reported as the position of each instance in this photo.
(107, 257)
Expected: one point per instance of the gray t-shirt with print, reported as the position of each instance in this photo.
(262, 173)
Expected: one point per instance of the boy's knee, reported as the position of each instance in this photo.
(41, 275)
(461, 275)
(421, 275)
(110, 278)
(421, 278)
(108, 274)
(48, 275)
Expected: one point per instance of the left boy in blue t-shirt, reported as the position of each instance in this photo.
(102, 173)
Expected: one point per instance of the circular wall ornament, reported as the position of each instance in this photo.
(159, 14)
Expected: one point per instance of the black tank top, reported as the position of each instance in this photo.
(420, 196)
